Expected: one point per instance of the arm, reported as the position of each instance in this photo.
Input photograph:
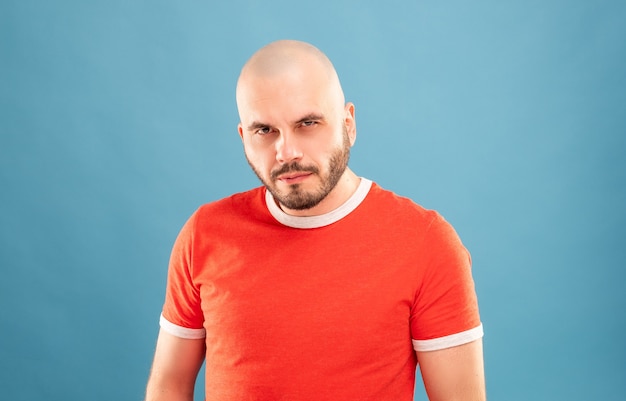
(454, 374)
(176, 364)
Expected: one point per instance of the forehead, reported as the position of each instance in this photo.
(284, 98)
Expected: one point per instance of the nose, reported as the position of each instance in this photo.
(287, 148)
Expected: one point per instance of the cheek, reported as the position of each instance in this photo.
(323, 149)
(261, 157)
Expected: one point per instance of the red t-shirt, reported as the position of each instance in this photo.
(328, 307)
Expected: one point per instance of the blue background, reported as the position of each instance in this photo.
(118, 119)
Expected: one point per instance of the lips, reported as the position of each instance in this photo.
(293, 172)
(294, 177)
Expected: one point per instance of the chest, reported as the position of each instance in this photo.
(323, 290)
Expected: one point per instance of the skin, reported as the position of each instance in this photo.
(454, 374)
(175, 368)
(297, 132)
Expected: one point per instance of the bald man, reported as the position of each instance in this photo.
(320, 284)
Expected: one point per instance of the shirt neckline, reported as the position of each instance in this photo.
(322, 220)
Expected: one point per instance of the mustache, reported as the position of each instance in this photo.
(293, 167)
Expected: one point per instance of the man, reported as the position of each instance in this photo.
(320, 285)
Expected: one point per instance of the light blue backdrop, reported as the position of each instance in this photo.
(117, 119)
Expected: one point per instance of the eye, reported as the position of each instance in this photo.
(263, 131)
(309, 123)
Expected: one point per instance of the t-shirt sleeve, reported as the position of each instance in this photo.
(445, 310)
(182, 312)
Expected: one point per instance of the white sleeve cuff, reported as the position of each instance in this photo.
(179, 331)
(452, 340)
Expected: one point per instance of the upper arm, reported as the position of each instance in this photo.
(455, 373)
(176, 364)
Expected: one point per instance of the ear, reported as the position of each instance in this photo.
(240, 130)
(350, 122)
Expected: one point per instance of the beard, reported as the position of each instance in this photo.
(297, 198)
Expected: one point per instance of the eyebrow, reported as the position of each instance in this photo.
(257, 125)
(308, 117)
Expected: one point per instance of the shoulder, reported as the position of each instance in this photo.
(236, 203)
(398, 206)
(228, 212)
(407, 218)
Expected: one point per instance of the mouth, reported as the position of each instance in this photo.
(294, 177)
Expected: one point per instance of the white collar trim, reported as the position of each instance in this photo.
(324, 219)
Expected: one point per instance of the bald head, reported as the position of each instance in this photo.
(296, 128)
(288, 61)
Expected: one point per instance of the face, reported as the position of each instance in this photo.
(287, 184)
(296, 139)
